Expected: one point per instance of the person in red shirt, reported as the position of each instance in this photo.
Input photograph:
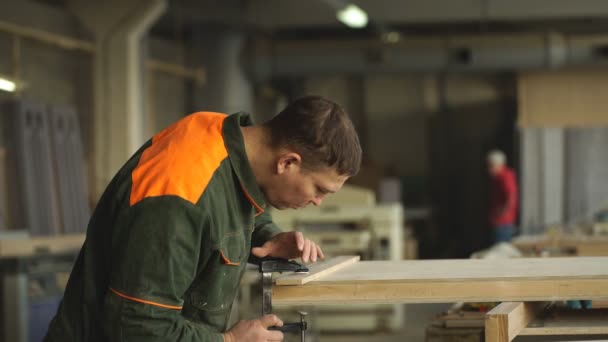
(503, 197)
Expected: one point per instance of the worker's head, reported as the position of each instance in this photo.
(316, 149)
(496, 161)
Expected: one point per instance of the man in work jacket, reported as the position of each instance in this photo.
(170, 237)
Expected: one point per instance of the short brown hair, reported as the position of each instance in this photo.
(320, 131)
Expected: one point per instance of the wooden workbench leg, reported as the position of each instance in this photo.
(506, 320)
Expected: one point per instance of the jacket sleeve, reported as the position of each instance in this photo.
(263, 231)
(156, 251)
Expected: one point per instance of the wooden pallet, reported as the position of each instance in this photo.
(509, 320)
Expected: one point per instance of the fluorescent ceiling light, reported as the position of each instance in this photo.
(7, 85)
(352, 16)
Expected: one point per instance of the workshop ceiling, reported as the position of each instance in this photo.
(310, 18)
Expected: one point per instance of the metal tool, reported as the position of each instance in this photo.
(267, 267)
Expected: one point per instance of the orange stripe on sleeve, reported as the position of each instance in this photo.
(181, 159)
(145, 301)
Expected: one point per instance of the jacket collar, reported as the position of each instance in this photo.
(235, 144)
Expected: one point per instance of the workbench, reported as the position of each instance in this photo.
(29, 284)
(346, 281)
(572, 244)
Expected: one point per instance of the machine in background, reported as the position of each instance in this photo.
(33, 274)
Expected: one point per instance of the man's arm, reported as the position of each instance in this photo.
(156, 256)
(509, 187)
(512, 192)
(264, 230)
(268, 240)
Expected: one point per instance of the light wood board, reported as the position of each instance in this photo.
(31, 246)
(508, 319)
(445, 281)
(570, 322)
(581, 245)
(318, 270)
(548, 98)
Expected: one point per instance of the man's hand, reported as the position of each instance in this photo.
(255, 330)
(289, 245)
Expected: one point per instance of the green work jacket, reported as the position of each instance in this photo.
(169, 240)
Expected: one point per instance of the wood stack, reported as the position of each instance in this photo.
(45, 169)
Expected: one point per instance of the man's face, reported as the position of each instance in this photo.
(494, 168)
(294, 187)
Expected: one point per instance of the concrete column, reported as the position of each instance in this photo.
(118, 28)
(228, 88)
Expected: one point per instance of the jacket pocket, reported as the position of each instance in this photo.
(217, 286)
(233, 249)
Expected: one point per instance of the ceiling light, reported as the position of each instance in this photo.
(352, 16)
(7, 85)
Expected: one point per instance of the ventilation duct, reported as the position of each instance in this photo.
(479, 53)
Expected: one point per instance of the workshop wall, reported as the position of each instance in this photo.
(433, 132)
(167, 94)
(226, 89)
(47, 74)
(346, 90)
(398, 109)
(53, 75)
(562, 114)
(6, 67)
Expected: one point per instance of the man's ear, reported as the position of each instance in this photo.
(289, 162)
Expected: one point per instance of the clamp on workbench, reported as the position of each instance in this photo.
(267, 267)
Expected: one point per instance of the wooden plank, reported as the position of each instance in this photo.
(445, 281)
(600, 304)
(31, 246)
(69, 164)
(471, 269)
(30, 150)
(462, 319)
(318, 270)
(581, 245)
(505, 321)
(570, 322)
(592, 249)
(548, 98)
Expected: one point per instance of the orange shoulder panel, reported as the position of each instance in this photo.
(181, 159)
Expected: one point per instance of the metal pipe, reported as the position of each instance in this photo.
(504, 52)
(68, 43)
(47, 37)
(196, 74)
